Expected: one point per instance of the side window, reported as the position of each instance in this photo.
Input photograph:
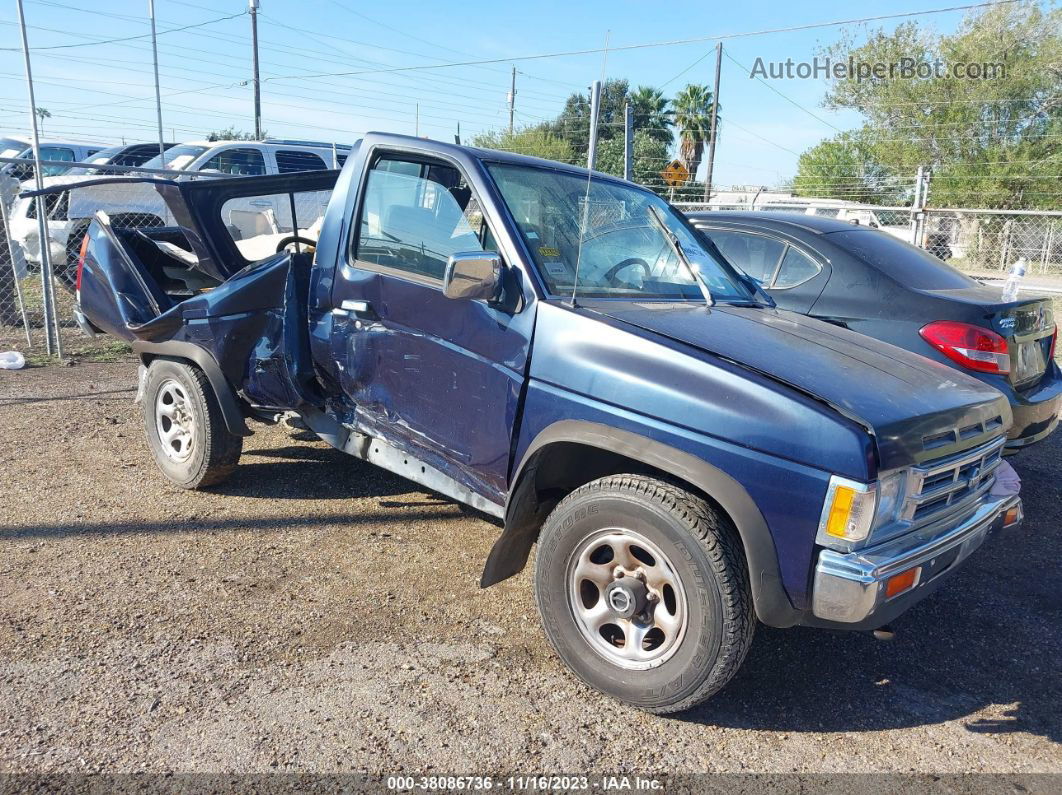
(55, 153)
(238, 162)
(289, 160)
(797, 268)
(756, 255)
(415, 215)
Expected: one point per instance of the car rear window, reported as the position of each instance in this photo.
(289, 161)
(907, 264)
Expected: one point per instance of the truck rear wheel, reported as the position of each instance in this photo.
(643, 591)
(185, 428)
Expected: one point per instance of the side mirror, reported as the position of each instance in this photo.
(473, 275)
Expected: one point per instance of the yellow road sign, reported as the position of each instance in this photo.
(675, 173)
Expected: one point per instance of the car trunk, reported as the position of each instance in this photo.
(1027, 324)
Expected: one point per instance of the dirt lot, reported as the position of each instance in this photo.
(316, 614)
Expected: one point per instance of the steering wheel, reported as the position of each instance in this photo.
(287, 241)
(610, 277)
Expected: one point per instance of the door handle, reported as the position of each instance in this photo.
(359, 309)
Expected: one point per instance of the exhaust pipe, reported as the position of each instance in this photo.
(884, 633)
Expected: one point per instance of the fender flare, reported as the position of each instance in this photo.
(174, 349)
(511, 550)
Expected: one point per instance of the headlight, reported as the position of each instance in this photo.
(853, 509)
(847, 513)
(890, 499)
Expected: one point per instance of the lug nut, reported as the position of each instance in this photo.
(618, 572)
(640, 575)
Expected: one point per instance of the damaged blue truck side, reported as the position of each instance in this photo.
(564, 352)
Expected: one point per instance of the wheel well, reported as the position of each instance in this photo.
(192, 355)
(562, 467)
(552, 472)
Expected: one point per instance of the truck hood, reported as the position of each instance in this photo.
(898, 396)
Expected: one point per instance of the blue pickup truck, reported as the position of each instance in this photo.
(561, 350)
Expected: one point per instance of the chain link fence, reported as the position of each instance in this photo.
(971, 240)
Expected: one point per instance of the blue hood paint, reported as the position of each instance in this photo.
(890, 391)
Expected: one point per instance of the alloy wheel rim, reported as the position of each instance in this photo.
(627, 599)
(175, 421)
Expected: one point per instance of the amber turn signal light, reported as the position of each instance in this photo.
(904, 581)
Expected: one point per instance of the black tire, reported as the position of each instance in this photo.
(213, 452)
(703, 553)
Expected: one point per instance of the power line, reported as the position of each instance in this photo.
(646, 45)
(113, 41)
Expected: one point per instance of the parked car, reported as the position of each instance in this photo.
(871, 282)
(53, 150)
(688, 457)
(13, 145)
(132, 203)
(125, 156)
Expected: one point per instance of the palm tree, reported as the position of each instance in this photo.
(650, 112)
(693, 117)
(42, 114)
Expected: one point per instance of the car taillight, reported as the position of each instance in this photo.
(81, 262)
(973, 347)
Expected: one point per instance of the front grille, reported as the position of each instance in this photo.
(948, 483)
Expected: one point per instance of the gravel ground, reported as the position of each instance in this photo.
(316, 614)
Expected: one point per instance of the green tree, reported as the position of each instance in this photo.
(693, 118)
(230, 133)
(573, 123)
(649, 156)
(649, 109)
(844, 167)
(991, 141)
(536, 141)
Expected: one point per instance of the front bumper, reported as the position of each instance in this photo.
(850, 589)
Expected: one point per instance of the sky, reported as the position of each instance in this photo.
(104, 91)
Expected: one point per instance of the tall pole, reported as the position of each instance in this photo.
(714, 125)
(628, 142)
(595, 110)
(253, 6)
(51, 323)
(916, 206)
(158, 95)
(512, 102)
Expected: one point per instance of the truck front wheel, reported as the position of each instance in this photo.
(185, 428)
(643, 592)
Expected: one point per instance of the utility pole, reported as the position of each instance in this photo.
(512, 102)
(158, 96)
(595, 111)
(51, 322)
(628, 142)
(252, 5)
(712, 129)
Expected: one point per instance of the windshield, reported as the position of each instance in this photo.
(624, 252)
(907, 264)
(101, 158)
(177, 157)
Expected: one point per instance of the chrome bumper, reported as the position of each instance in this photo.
(850, 588)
